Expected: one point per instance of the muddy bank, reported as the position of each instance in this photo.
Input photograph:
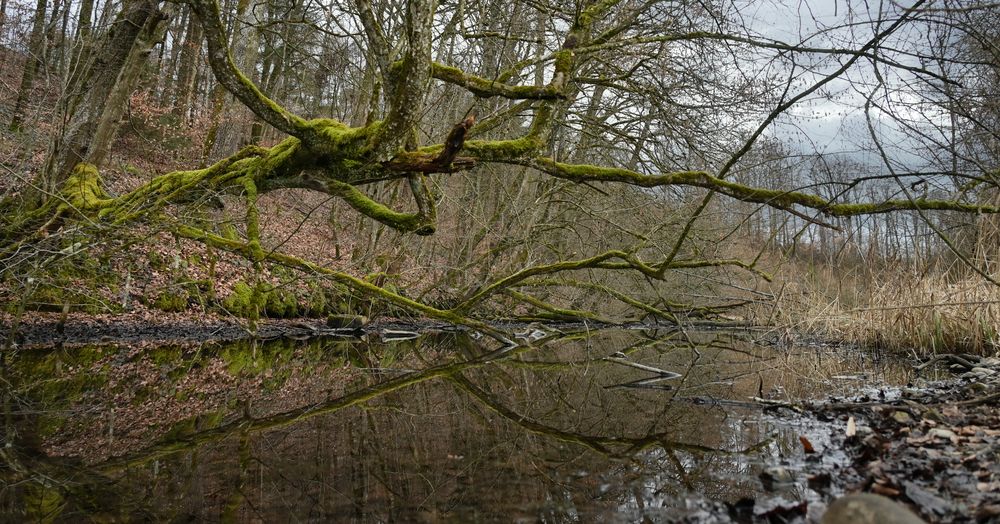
(933, 446)
(81, 330)
(77, 329)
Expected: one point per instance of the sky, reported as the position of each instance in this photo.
(833, 121)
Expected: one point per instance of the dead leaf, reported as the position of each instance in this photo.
(887, 491)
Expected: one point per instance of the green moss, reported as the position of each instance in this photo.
(165, 355)
(251, 358)
(253, 220)
(403, 222)
(56, 396)
(594, 12)
(43, 503)
(155, 260)
(280, 303)
(486, 88)
(563, 60)
(75, 282)
(317, 304)
(202, 291)
(500, 150)
(83, 190)
(248, 301)
(242, 302)
(229, 232)
(171, 300)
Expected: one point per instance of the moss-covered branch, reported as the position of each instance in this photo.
(421, 222)
(485, 88)
(776, 198)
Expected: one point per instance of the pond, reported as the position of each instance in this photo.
(575, 426)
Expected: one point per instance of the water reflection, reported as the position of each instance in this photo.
(429, 429)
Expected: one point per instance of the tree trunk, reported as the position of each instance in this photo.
(128, 78)
(35, 48)
(177, 35)
(83, 29)
(190, 52)
(223, 140)
(89, 97)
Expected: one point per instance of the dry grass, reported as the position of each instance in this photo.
(893, 307)
(928, 315)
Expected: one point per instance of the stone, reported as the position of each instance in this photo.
(867, 508)
(354, 322)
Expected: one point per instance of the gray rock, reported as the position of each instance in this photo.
(867, 508)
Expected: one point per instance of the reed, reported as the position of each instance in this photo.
(892, 307)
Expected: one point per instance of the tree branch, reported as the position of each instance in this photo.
(240, 86)
(779, 199)
(484, 88)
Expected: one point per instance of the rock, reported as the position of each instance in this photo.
(776, 476)
(980, 373)
(867, 508)
(929, 503)
(988, 512)
(354, 322)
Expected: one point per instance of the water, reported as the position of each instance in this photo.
(440, 428)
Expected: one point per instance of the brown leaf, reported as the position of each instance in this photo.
(806, 445)
(887, 491)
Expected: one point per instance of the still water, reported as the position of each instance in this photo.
(437, 428)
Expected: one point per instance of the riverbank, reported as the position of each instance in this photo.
(933, 446)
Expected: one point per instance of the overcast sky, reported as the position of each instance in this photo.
(834, 121)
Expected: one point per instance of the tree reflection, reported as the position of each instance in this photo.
(422, 430)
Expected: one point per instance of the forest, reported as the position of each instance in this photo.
(484, 260)
(603, 161)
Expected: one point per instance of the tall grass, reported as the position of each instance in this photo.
(893, 307)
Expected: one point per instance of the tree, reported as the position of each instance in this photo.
(666, 95)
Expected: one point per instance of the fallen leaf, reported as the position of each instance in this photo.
(887, 491)
(806, 445)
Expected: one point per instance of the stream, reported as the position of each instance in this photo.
(611, 426)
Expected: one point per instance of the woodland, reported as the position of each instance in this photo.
(351, 260)
(823, 167)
